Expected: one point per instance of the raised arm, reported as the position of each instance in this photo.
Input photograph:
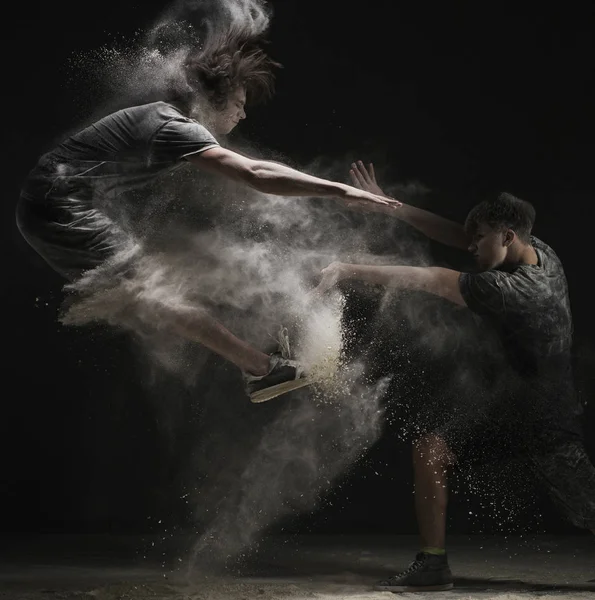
(274, 178)
(434, 280)
(435, 227)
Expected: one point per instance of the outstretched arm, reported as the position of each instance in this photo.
(274, 178)
(435, 227)
(434, 280)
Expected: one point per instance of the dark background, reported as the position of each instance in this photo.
(468, 99)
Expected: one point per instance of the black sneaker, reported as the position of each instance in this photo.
(427, 573)
(285, 375)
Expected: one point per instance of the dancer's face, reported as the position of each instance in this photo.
(490, 246)
(225, 120)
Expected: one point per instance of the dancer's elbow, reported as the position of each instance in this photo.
(262, 177)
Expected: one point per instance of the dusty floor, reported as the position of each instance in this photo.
(316, 567)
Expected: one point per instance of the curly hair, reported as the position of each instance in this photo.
(504, 212)
(234, 59)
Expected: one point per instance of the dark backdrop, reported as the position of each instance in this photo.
(468, 100)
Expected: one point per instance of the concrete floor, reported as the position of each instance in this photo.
(314, 567)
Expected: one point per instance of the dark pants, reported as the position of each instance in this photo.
(569, 477)
(555, 454)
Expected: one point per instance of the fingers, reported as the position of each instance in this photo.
(364, 172)
(356, 175)
(368, 204)
(361, 173)
(355, 180)
(329, 268)
(321, 288)
(328, 279)
(372, 172)
(382, 200)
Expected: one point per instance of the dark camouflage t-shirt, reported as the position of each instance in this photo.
(529, 307)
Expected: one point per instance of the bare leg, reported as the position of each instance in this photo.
(431, 457)
(430, 570)
(197, 325)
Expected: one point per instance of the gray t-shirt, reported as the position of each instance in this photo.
(122, 152)
(529, 307)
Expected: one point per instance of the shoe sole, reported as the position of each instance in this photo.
(414, 588)
(279, 389)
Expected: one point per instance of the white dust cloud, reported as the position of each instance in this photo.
(254, 268)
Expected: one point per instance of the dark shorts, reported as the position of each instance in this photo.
(68, 233)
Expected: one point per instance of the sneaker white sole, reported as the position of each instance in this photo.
(279, 389)
(414, 588)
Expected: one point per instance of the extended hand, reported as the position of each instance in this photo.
(365, 179)
(331, 275)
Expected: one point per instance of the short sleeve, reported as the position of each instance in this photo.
(180, 137)
(483, 293)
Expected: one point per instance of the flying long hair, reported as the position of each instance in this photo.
(238, 60)
(227, 61)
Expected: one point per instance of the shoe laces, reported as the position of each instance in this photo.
(283, 342)
(419, 561)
